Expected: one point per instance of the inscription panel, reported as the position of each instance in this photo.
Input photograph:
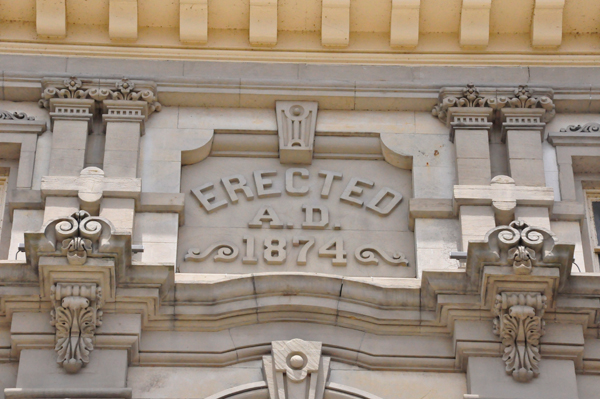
(345, 217)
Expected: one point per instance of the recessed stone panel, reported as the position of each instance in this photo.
(296, 218)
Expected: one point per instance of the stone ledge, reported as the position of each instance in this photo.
(27, 393)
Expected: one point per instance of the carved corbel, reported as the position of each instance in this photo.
(75, 315)
(519, 324)
(296, 369)
(296, 125)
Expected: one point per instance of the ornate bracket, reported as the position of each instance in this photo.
(75, 316)
(296, 369)
(296, 125)
(519, 324)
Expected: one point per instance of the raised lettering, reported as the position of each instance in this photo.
(310, 222)
(266, 214)
(207, 200)
(264, 187)
(374, 204)
(274, 250)
(235, 183)
(249, 259)
(334, 249)
(308, 243)
(289, 181)
(329, 178)
(353, 189)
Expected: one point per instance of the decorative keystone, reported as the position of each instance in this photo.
(296, 125)
(296, 369)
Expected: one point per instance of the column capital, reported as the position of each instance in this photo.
(76, 99)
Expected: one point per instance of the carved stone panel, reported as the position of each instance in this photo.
(343, 217)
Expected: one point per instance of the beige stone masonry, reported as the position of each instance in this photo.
(71, 122)
(263, 22)
(475, 23)
(547, 23)
(193, 21)
(404, 29)
(523, 132)
(123, 20)
(51, 18)
(475, 222)
(335, 23)
(472, 156)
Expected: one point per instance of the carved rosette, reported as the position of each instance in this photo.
(519, 324)
(125, 89)
(75, 315)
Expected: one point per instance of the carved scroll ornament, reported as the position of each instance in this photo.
(125, 89)
(523, 247)
(592, 127)
(75, 316)
(519, 324)
(12, 116)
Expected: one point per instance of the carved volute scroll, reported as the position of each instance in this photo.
(75, 316)
(521, 247)
(519, 324)
(296, 124)
(296, 370)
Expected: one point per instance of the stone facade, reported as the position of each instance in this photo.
(185, 216)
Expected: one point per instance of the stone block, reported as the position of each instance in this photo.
(23, 220)
(335, 24)
(183, 382)
(431, 182)
(60, 207)
(51, 18)
(472, 144)
(533, 216)
(38, 369)
(528, 172)
(120, 163)
(475, 23)
(587, 386)
(193, 21)
(160, 176)
(404, 30)
(436, 259)
(120, 211)
(486, 377)
(473, 171)
(401, 384)
(437, 233)
(156, 227)
(26, 165)
(523, 144)
(263, 22)
(65, 162)
(123, 20)
(570, 232)
(122, 137)
(8, 376)
(475, 222)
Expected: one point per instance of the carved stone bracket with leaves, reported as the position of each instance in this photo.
(519, 324)
(75, 315)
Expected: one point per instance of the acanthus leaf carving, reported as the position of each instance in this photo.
(125, 89)
(470, 97)
(524, 97)
(520, 326)
(75, 315)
